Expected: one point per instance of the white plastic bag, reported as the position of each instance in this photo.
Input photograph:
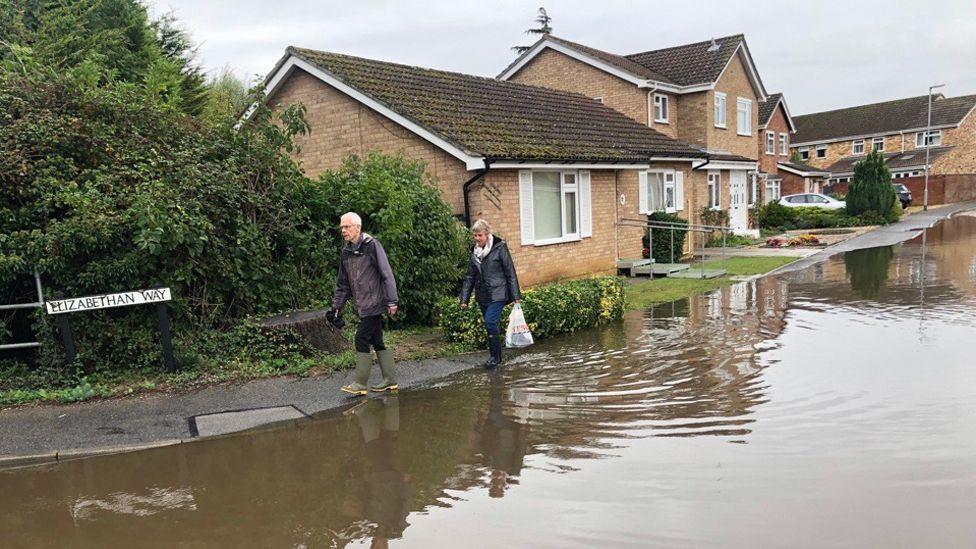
(518, 334)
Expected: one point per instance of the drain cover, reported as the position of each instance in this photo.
(238, 420)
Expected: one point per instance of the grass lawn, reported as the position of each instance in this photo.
(646, 293)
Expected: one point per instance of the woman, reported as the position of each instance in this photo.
(491, 275)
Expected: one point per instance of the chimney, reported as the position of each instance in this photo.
(714, 46)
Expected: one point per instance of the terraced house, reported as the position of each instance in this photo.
(707, 94)
(553, 171)
(836, 140)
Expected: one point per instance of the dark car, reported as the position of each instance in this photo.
(904, 195)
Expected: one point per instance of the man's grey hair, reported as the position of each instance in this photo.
(353, 218)
(481, 226)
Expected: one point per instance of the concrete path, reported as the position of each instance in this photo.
(51, 432)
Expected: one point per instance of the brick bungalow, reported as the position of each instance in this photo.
(836, 140)
(706, 94)
(553, 171)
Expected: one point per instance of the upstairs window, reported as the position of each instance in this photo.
(770, 142)
(660, 108)
(744, 116)
(784, 144)
(857, 147)
(719, 110)
(934, 139)
(821, 151)
(804, 153)
(877, 144)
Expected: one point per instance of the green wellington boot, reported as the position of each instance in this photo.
(358, 386)
(387, 366)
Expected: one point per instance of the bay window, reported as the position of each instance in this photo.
(554, 206)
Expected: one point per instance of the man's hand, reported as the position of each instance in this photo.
(393, 310)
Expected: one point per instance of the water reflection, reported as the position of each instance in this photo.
(680, 425)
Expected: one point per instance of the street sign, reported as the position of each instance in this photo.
(159, 296)
(137, 297)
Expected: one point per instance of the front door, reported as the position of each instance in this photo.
(738, 205)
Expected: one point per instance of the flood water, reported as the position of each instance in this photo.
(831, 407)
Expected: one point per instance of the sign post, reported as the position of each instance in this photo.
(159, 296)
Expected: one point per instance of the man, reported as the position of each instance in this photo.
(365, 275)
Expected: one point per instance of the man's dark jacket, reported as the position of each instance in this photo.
(365, 276)
(493, 279)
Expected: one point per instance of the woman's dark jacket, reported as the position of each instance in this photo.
(493, 279)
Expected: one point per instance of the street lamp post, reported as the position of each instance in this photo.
(928, 145)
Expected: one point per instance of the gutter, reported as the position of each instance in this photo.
(650, 106)
(467, 186)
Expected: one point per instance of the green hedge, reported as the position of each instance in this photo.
(665, 248)
(778, 216)
(552, 309)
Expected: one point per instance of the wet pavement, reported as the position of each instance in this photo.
(832, 406)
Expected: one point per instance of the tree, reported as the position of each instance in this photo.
(870, 189)
(545, 28)
(796, 158)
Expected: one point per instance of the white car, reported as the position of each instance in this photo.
(812, 200)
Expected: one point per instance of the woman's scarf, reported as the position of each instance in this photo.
(481, 252)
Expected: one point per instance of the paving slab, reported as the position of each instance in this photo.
(698, 273)
(221, 423)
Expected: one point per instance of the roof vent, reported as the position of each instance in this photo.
(714, 46)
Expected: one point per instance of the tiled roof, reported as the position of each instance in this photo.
(768, 107)
(717, 157)
(897, 160)
(501, 120)
(616, 60)
(881, 118)
(689, 64)
(800, 167)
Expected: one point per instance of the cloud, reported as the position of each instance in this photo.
(822, 55)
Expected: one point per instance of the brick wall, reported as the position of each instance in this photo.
(341, 126)
(777, 124)
(735, 84)
(497, 201)
(695, 118)
(555, 70)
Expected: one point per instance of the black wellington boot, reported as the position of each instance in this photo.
(495, 349)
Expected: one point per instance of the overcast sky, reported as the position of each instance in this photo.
(821, 54)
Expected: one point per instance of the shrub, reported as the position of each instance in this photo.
(664, 248)
(550, 309)
(773, 214)
(401, 207)
(871, 188)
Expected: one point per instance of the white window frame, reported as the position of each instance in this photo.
(599, 99)
(743, 106)
(784, 144)
(773, 190)
(721, 105)
(672, 182)
(770, 142)
(854, 145)
(821, 148)
(875, 141)
(662, 104)
(714, 190)
(564, 189)
(804, 153)
(934, 139)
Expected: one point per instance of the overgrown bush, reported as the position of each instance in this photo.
(103, 189)
(666, 246)
(551, 309)
(776, 216)
(870, 189)
(403, 209)
(773, 214)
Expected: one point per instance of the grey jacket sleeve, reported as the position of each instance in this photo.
(512, 279)
(342, 291)
(386, 274)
